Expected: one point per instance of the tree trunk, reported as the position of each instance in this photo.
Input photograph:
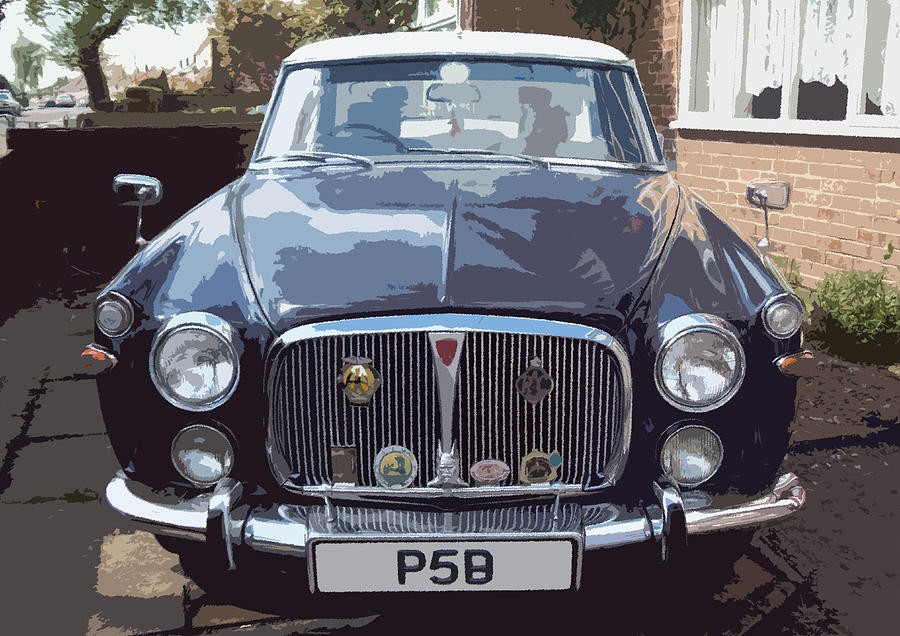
(95, 79)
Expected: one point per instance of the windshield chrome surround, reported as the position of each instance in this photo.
(462, 323)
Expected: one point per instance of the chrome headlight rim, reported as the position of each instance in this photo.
(119, 301)
(785, 297)
(690, 323)
(217, 428)
(674, 430)
(201, 321)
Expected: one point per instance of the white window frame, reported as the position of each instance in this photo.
(446, 17)
(854, 125)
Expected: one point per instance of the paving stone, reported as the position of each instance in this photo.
(158, 575)
(50, 470)
(50, 557)
(67, 407)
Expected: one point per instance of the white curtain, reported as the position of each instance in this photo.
(766, 50)
(881, 80)
(715, 68)
(829, 29)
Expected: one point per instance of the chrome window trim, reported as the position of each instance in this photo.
(205, 322)
(688, 323)
(465, 323)
(129, 310)
(774, 300)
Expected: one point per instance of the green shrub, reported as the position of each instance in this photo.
(857, 314)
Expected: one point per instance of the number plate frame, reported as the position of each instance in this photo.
(460, 542)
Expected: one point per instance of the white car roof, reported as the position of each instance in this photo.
(444, 43)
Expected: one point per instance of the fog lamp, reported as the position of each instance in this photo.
(202, 454)
(114, 315)
(691, 455)
(783, 316)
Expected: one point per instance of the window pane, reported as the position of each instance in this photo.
(880, 92)
(816, 100)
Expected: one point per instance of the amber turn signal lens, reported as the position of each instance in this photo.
(96, 359)
(801, 363)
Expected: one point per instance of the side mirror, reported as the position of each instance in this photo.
(765, 195)
(137, 190)
(772, 194)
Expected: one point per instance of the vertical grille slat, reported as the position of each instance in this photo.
(581, 418)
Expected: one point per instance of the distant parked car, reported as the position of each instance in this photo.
(65, 101)
(47, 103)
(8, 103)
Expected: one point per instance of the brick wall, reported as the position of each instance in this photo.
(845, 204)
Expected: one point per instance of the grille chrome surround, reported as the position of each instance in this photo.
(399, 347)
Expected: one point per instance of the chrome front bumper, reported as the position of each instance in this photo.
(222, 517)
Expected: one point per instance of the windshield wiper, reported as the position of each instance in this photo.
(320, 156)
(538, 161)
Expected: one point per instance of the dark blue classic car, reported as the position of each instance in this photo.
(454, 326)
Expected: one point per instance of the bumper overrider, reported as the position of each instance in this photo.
(225, 518)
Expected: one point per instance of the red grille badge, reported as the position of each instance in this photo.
(446, 350)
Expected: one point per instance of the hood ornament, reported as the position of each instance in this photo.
(447, 469)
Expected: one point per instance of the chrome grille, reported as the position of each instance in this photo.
(581, 418)
(355, 520)
(309, 414)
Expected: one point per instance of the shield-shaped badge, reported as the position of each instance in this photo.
(358, 380)
(534, 384)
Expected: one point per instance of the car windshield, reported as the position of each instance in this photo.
(509, 109)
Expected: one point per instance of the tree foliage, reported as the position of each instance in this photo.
(617, 21)
(28, 58)
(254, 36)
(87, 23)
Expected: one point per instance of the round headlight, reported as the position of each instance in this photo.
(194, 366)
(701, 365)
(114, 315)
(691, 455)
(782, 316)
(202, 455)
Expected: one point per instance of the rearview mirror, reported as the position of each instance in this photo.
(137, 190)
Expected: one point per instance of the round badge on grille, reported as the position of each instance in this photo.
(395, 467)
(489, 472)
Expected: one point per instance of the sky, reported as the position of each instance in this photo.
(134, 47)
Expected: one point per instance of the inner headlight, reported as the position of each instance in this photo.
(782, 316)
(193, 363)
(691, 455)
(700, 364)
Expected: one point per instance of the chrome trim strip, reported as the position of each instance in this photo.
(688, 323)
(285, 529)
(453, 322)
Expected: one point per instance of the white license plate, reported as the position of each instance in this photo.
(426, 566)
